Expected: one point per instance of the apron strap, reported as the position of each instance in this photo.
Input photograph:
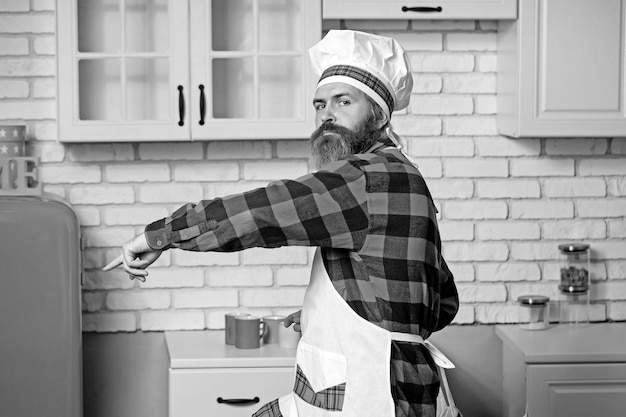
(438, 356)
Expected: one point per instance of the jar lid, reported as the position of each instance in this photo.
(568, 289)
(573, 247)
(539, 300)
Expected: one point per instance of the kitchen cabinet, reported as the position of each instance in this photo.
(564, 370)
(442, 9)
(180, 70)
(562, 69)
(209, 378)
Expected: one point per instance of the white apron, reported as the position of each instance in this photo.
(340, 347)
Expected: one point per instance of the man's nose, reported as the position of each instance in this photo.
(328, 115)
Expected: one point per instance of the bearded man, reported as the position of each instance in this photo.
(379, 283)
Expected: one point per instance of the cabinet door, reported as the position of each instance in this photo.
(442, 9)
(250, 72)
(576, 390)
(122, 70)
(228, 392)
(562, 69)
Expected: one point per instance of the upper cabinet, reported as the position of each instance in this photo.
(562, 69)
(149, 70)
(442, 9)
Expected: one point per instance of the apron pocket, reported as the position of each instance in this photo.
(320, 377)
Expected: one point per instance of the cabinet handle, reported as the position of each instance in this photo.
(202, 104)
(422, 9)
(181, 106)
(238, 401)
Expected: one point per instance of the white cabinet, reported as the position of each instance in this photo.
(442, 9)
(208, 378)
(564, 371)
(148, 70)
(562, 69)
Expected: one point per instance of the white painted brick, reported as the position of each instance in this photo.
(171, 320)
(279, 297)
(287, 276)
(507, 271)
(274, 170)
(615, 269)
(204, 298)
(475, 83)
(292, 149)
(13, 89)
(574, 229)
(92, 301)
(376, 25)
(451, 189)
(113, 280)
(239, 277)
(106, 237)
(475, 167)
(542, 209)
(14, 6)
(442, 104)
(92, 258)
(576, 146)
(43, 130)
(239, 150)
(109, 322)
(417, 126)
(487, 63)
(617, 228)
(24, 110)
(204, 171)
(491, 25)
(88, 216)
(14, 46)
(602, 208)
(127, 173)
(462, 272)
(465, 315)
(497, 313)
(606, 249)
(470, 126)
(45, 45)
(43, 5)
(503, 146)
(138, 300)
(440, 146)
(486, 293)
(429, 167)
(451, 231)
(509, 230)
(188, 258)
(427, 84)
(290, 255)
(214, 190)
(540, 167)
(476, 252)
(44, 88)
(132, 215)
(28, 67)
(100, 194)
(471, 41)
(441, 62)
(486, 104)
(70, 174)
(605, 166)
(611, 290)
(574, 187)
(616, 186)
(618, 146)
(534, 288)
(170, 193)
(100, 152)
(422, 42)
(617, 311)
(534, 251)
(509, 188)
(442, 25)
(215, 318)
(174, 278)
(475, 210)
(171, 151)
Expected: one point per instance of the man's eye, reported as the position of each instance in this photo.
(319, 106)
(343, 102)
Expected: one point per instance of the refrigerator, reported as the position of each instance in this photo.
(40, 329)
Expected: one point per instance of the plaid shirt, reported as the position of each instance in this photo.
(375, 222)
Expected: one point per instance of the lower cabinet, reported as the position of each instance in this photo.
(211, 379)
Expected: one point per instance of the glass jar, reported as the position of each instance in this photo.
(534, 312)
(574, 308)
(574, 264)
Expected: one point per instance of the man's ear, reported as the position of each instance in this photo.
(382, 121)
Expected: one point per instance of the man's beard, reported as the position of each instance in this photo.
(331, 142)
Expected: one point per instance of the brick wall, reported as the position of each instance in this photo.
(504, 204)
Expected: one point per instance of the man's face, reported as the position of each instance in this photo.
(345, 123)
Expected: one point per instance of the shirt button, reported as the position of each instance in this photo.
(159, 242)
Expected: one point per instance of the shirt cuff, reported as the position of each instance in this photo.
(156, 235)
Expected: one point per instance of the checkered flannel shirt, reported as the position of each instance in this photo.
(375, 222)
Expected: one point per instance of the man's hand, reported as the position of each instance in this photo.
(293, 318)
(136, 257)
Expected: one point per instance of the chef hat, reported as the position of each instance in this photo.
(376, 65)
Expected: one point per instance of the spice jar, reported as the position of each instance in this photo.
(534, 312)
(574, 265)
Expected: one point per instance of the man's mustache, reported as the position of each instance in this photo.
(330, 127)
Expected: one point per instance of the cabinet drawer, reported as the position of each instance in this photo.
(194, 392)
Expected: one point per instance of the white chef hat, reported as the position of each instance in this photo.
(376, 65)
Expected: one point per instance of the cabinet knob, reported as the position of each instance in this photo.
(238, 401)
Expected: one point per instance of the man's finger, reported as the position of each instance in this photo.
(114, 263)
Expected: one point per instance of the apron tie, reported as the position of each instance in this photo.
(438, 356)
